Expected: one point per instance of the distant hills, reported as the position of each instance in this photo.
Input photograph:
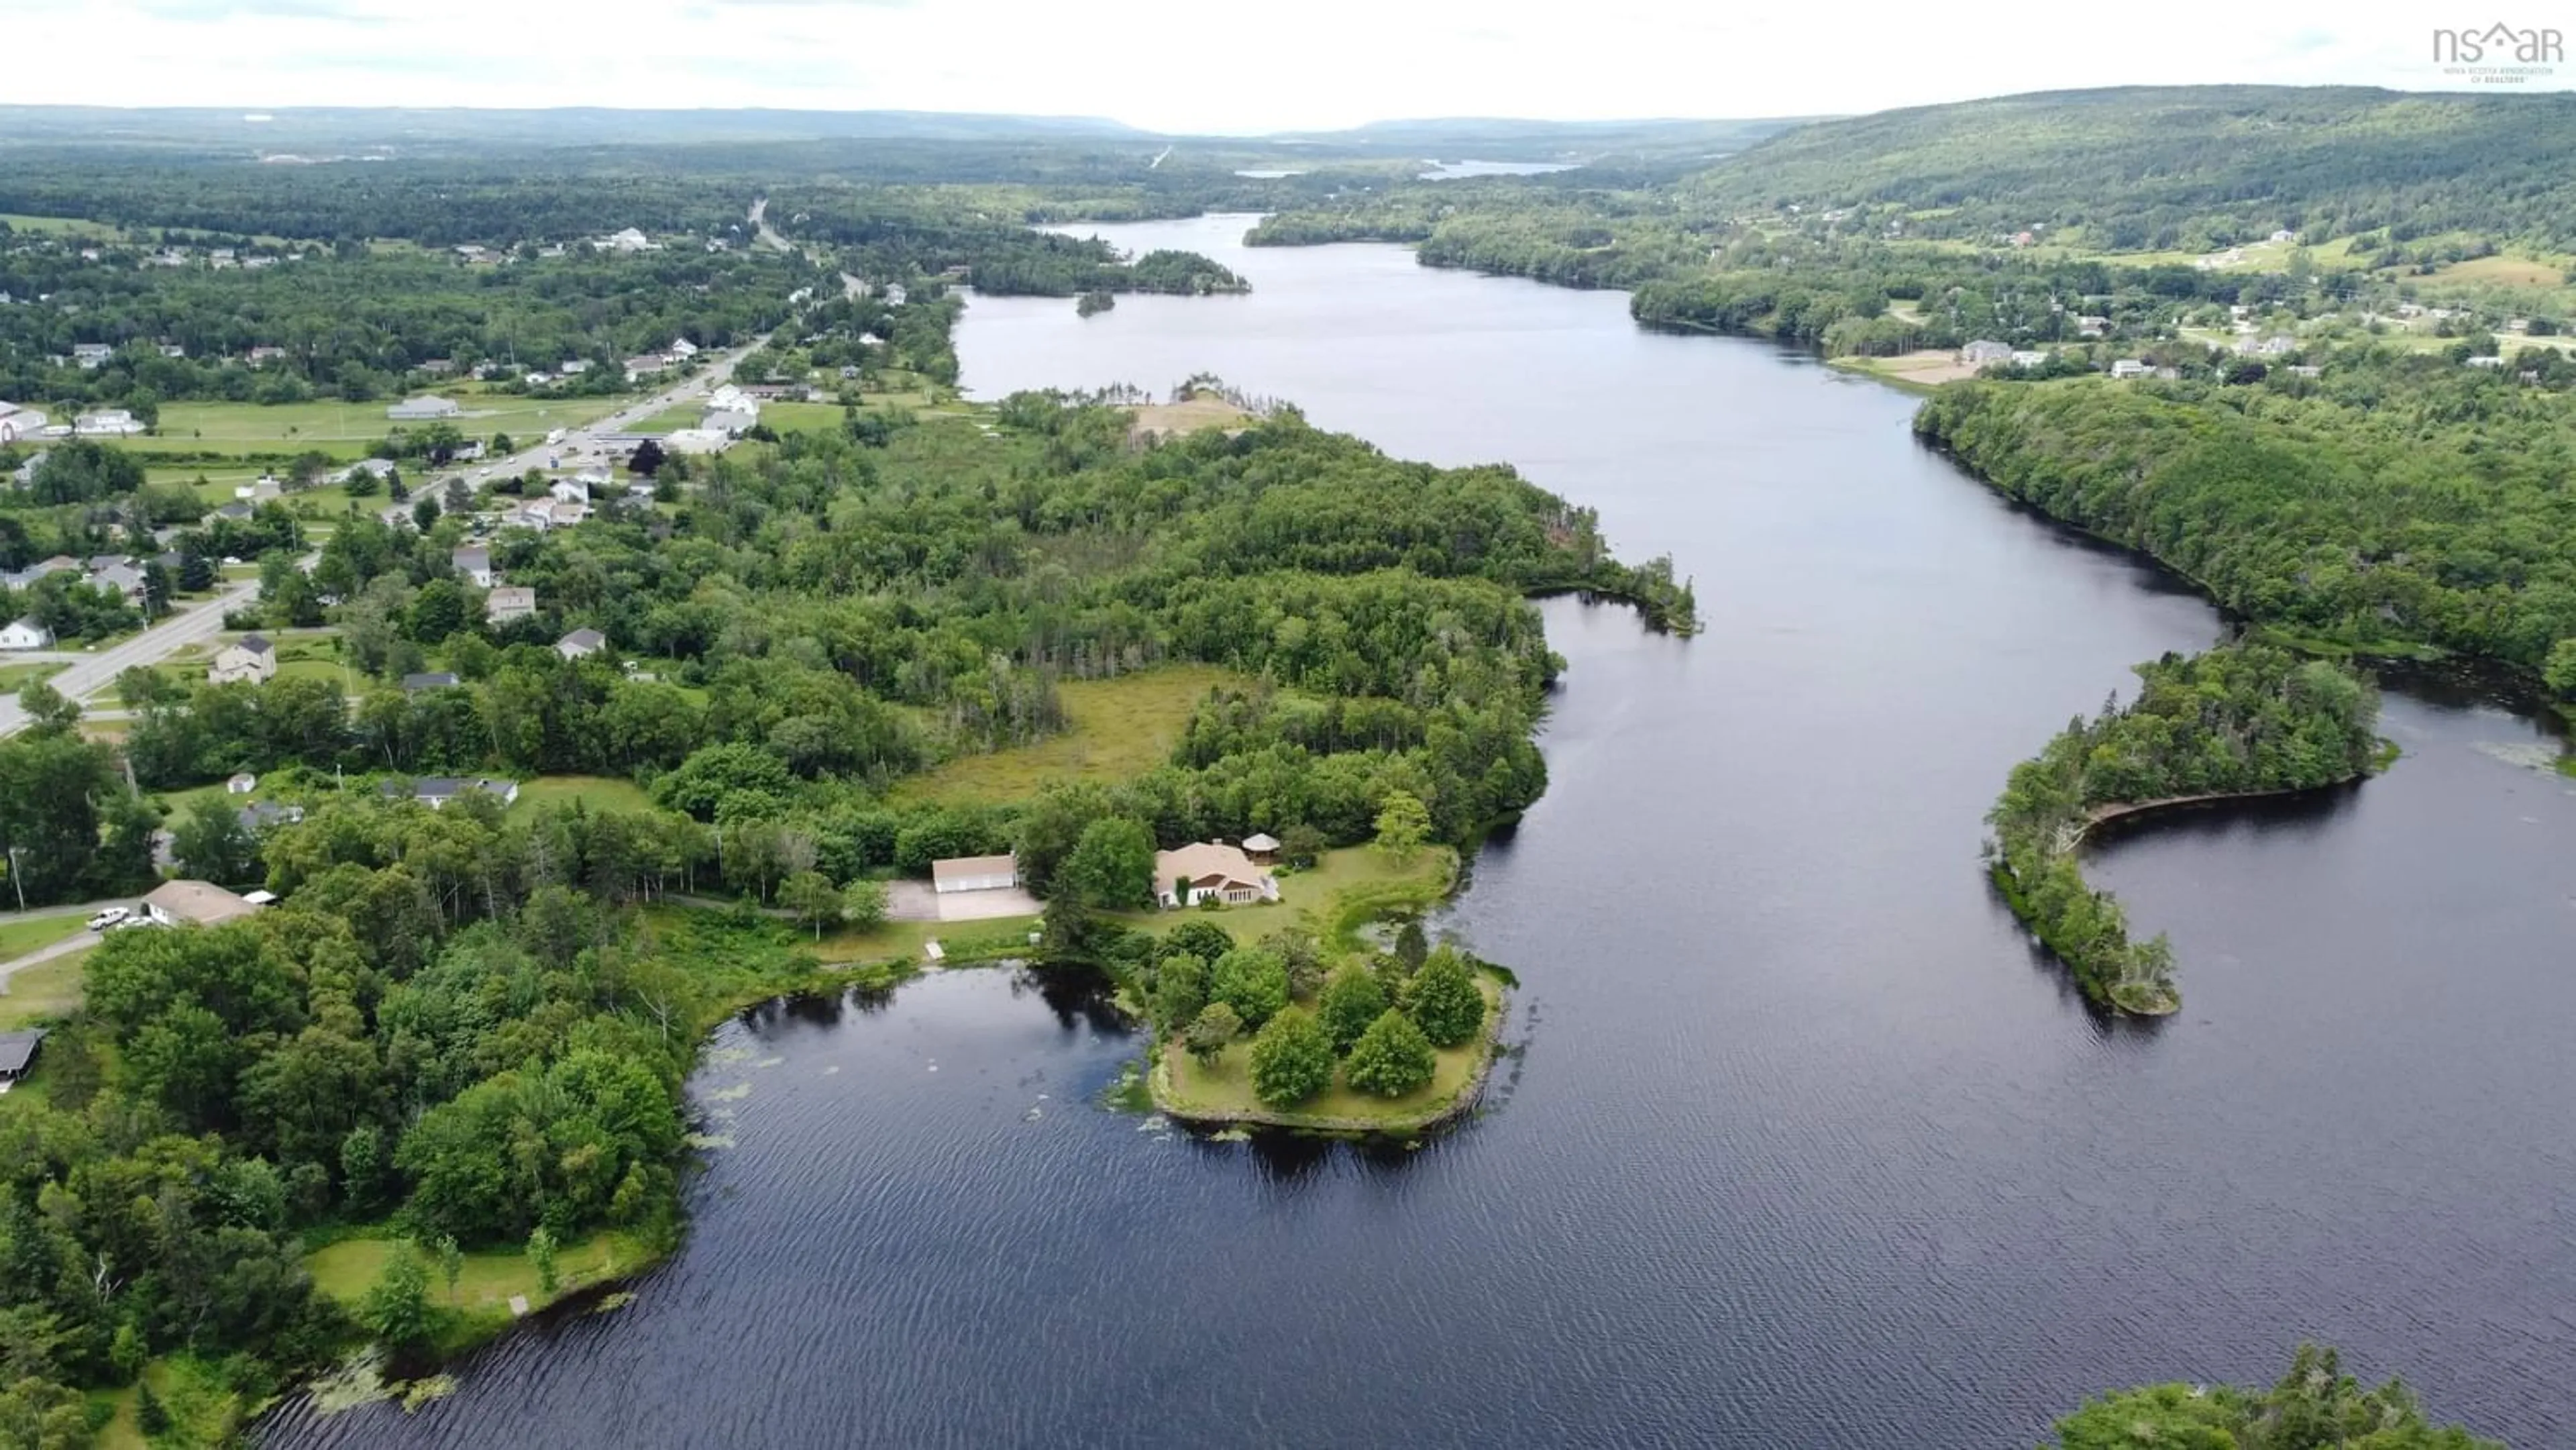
(2138, 167)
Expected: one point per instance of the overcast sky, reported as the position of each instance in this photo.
(1201, 65)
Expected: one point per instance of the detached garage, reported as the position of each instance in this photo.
(975, 873)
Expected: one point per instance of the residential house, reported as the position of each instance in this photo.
(433, 680)
(645, 365)
(195, 903)
(1205, 870)
(2022, 358)
(2092, 325)
(974, 873)
(683, 349)
(234, 510)
(250, 658)
(438, 367)
(122, 577)
(570, 490)
(89, 356)
(379, 469)
(422, 409)
(17, 422)
(2285, 235)
(261, 815)
(2307, 370)
(25, 633)
(172, 349)
(510, 602)
(894, 294)
(581, 644)
(575, 368)
(474, 564)
(2129, 367)
(1984, 351)
(18, 1055)
(265, 488)
(537, 380)
(259, 355)
(732, 398)
(106, 423)
(242, 783)
(629, 240)
(27, 577)
(435, 791)
(729, 422)
(2490, 360)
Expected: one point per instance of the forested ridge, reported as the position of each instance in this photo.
(2236, 720)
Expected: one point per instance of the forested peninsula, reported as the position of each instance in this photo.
(2239, 720)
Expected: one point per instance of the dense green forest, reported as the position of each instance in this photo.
(2234, 720)
(2316, 1406)
(2409, 501)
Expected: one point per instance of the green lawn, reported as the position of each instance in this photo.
(960, 941)
(345, 1270)
(1347, 889)
(14, 678)
(1224, 1089)
(60, 226)
(345, 429)
(43, 994)
(17, 938)
(599, 792)
(1120, 728)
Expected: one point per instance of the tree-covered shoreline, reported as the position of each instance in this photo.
(2238, 720)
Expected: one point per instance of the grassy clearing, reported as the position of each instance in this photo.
(57, 226)
(17, 938)
(1223, 1090)
(14, 678)
(2504, 271)
(1120, 728)
(1189, 416)
(962, 941)
(598, 792)
(345, 429)
(481, 1299)
(47, 993)
(1920, 371)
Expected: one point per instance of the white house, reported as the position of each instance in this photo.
(570, 490)
(696, 440)
(195, 903)
(683, 349)
(423, 408)
(241, 784)
(1210, 869)
(249, 658)
(629, 240)
(17, 422)
(2028, 359)
(732, 423)
(581, 644)
(90, 355)
(2129, 367)
(474, 564)
(975, 873)
(1984, 351)
(645, 365)
(510, 602)
(106, 423)
(2489, 360)
(25, 633)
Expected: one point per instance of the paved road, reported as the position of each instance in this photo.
(96, 671)
(197, 623)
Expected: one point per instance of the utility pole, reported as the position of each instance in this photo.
(14, 879)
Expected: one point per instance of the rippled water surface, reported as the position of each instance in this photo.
(1806, 1147)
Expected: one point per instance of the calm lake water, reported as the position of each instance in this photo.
(1805, 1146)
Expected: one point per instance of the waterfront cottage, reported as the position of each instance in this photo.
(1203, 870)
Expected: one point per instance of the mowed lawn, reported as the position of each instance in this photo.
(1120, 728)
(344, 429)
(1350, 882)
(42, 993)
(17, 938)
(598, 792)
(347, 1269)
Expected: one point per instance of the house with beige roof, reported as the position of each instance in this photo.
(509, 602)
(195, 903)
(1211, 869)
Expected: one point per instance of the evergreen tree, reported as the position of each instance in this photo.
(1392, 1057)
(1292, 1059)
(1443, 1000)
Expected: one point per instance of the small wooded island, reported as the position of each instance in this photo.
(2237, 721)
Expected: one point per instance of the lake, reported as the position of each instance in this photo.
(1803, 1144)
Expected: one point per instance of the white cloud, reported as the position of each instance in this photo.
(1189, 64)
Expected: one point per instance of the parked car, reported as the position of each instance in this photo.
(109, 917)
(132, 922)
